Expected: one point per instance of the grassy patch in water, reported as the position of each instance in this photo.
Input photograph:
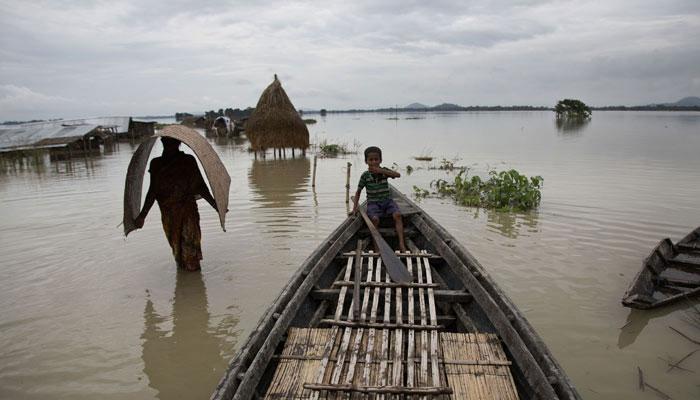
(504, 190)
(326, 149)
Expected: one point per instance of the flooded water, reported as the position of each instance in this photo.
(86, 313)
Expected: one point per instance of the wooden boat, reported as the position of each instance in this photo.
(450, 333)
(670, 273)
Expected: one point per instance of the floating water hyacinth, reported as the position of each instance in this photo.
(504, 190)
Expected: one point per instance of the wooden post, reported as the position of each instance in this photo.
(313, 178)
(347, 185)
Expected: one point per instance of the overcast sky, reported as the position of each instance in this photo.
(73, 58)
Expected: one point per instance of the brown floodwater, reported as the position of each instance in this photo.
(86, 313)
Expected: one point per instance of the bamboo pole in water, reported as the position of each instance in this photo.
(347, 185)
(313, 179)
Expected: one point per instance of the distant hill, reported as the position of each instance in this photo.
(416, 106)
(447, 107)
(690, 101)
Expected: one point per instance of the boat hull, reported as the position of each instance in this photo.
(467, 298)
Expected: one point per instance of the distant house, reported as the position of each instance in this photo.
(77, 134)
(222, 126)
(197, 122)
(142, 128)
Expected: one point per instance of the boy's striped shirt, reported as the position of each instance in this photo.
(376, 184)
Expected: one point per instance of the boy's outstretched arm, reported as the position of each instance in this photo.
(385, 171)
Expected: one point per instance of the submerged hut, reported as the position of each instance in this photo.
(275, 123)
(222, 126)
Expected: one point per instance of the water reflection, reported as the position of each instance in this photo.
(571, 126)
(59, 160)
(185, 362)
(228, 140)
(277, 183)
(23, 161)
(637, 320)
(510, 224)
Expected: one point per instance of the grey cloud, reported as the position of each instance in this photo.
(154, 56)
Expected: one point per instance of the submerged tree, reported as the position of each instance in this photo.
(572, 109)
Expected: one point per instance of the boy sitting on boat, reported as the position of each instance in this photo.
(379, 201)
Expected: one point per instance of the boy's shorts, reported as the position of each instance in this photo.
(382, 208)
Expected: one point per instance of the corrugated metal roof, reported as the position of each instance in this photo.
(44, 134)
(122, 123)
(52, 133)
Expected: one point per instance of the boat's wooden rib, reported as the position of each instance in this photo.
(448, 333)
(669, 274)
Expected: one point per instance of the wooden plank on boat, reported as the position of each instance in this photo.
(388, 284)
(423, 371)
(433, 321)
(386, 333)
(405, 206)
(487, 378)
(411, 345)
(381, 325)
(382, 390)
(689, 261)
(358, 278)
(397, 378)
(359, 333)
(400, 255)
(441, 295)
(370, 355)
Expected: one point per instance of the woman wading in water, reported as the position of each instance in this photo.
(175, 184)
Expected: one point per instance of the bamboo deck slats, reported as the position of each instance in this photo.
(300, 362)
(488, 377)
(411, 358)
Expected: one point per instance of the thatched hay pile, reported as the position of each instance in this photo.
(275, 123)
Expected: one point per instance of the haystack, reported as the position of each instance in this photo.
(275, 123)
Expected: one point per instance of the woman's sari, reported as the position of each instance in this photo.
(177, 182)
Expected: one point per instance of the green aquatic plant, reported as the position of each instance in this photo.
(420, 193)
(504, 190)
(327, 149)
(449, 165)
